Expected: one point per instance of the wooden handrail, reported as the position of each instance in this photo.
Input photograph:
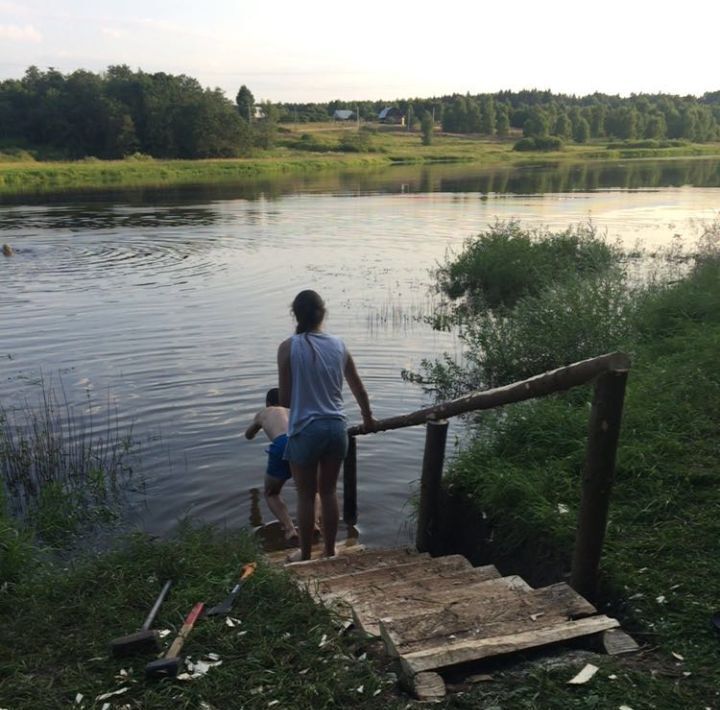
(563, 378)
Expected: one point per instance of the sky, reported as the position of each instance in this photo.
(319, 50)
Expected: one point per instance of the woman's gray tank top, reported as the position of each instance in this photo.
(317, 363)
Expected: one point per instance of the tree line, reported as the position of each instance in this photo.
(542, 113)
(121, 112)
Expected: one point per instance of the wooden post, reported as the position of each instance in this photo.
(350, 483)
(426, 539)
(598, 475)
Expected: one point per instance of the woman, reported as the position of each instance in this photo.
(311, 366)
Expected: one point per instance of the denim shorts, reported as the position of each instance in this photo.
(320, 438)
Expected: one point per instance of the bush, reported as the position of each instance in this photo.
(651, 144)
(360, 142)
(507, 262)
(541, 143)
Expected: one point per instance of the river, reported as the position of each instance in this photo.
(172, 303)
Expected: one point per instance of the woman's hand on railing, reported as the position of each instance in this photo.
(370, 424)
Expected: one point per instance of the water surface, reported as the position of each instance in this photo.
(174, 302)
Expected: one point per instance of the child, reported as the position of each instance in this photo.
(273, 420)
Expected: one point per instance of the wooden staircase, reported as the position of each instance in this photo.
(434, 613)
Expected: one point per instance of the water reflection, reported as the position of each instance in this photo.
(532, 179)
(174, 302)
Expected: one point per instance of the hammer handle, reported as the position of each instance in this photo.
(156, 606)
(185, 630)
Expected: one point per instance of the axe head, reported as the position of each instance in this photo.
(143, 641)
(163, 667)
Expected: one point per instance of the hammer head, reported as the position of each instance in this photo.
(143, 641)
(163, 667)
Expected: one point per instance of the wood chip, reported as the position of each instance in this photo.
(584, 675)
(105, 696)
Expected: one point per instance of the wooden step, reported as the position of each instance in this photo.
(424, 568)
(449, 652)
(346, 547)
(345, 564)
(505, 611)
(442, 581)
(421, 603)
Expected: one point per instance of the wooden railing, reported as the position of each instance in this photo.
(609, 372)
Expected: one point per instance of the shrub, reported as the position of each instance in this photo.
(360, 142)
(651, 144)
(507, 262)
(542, 143)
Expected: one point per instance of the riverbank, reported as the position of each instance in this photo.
(519, 474)
(377, 150)
(282, 651)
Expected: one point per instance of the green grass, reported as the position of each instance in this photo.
(326, 150)
(57, 624)
(659, 570)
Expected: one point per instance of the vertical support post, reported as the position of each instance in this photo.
(350, 483)
(597, 481)
(426, 539)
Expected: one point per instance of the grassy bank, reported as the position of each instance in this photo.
(522, 468)
(285, 653)
(303, 150)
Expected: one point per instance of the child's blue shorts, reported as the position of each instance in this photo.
(277, 467)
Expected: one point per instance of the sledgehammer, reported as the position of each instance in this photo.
(144, 640)
(168, 665)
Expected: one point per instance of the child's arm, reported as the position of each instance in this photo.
(254, 428)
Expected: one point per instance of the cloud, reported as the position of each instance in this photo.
(15, 33)
(110, 32)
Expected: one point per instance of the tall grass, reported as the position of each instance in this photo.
(521, 467)
(60, 466)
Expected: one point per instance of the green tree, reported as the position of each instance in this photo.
(581, 130)
(502, 121)
(655, 126)
(245, 102)
(563, 126)
(487, 116)
(427, 127)
(597, 121)
(537, 123)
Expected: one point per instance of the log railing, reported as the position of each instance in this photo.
(609, 372)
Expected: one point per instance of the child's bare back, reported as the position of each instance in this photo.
(272, 420)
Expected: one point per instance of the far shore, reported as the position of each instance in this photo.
(18, 177)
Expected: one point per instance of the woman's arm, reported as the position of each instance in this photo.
(358, 389)
(284, 373)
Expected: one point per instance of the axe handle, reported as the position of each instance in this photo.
(185, 630)
(156, 606)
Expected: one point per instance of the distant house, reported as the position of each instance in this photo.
(343, 114)
(391, 114)
(258, 112)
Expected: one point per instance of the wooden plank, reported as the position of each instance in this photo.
(342, 564)
(428, 686)
(424, 567)
(347, 547)
(503, 613)
(417, 602)
(452, 651)
(443, 580)
(615, 642)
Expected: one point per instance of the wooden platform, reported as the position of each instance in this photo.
(433, 613)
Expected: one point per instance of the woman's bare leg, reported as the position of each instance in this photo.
(306, 481)
(327, 485)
